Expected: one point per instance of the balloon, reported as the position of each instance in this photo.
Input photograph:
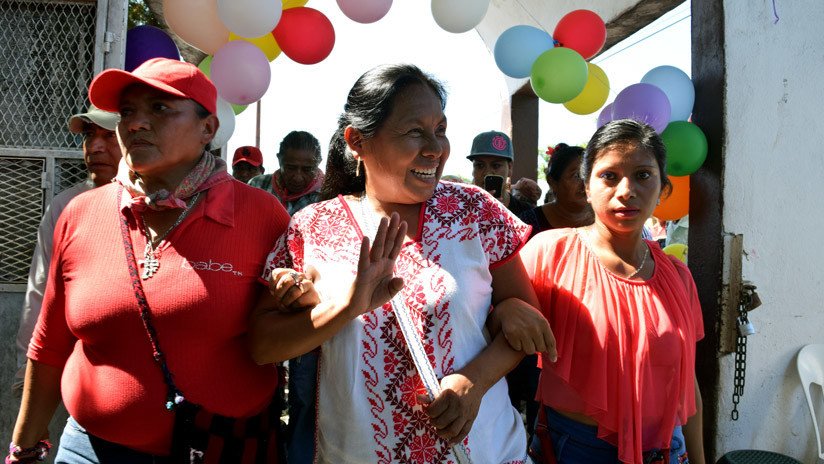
(305, 35)
(458, 16)
(293, 3)
(226, 117)
(686, 148)
(147, 42)
(559, 75)
(583, 31)
(595, 92)
(197, 23)
(605, 116)
(678, 87)
(206, 66)
(518, 47)
(677, 204)
(240, 72)
(643, 102)
(678, 250)
(250, 18)
(266, 43)
(365, 11)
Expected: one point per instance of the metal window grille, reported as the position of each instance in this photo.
(67, 172)
(49, 51)
(46, 63)
(20, 180)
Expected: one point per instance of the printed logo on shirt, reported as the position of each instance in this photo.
(210, 266)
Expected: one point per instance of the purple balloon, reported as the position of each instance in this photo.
(147, 42)
(643, 102)
(606, 115)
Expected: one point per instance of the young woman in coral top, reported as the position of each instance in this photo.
(625, 315)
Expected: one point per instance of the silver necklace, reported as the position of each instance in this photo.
(585, 236)
(150, 262)
(643, 261)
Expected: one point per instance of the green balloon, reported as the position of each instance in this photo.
(559, 75)
(206, 67)
(686, 147)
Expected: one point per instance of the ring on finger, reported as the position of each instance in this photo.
(295, 277)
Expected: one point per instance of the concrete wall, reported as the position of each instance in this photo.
(773, 194)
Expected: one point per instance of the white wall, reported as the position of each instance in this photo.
(773, 192)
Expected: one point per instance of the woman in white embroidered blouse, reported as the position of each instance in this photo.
(451, 250)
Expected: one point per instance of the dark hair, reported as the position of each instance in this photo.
(560, 158)
(300, 140)
(368, 105)
(627, 132)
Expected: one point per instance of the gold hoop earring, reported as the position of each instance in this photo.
(358, 168)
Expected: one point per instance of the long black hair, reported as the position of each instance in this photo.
(628, 132)
(368, 105)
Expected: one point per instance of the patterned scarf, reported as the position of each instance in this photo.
(285, 196)
(208, 172)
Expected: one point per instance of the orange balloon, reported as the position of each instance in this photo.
(677, 205)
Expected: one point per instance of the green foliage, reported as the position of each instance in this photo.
(140, 14)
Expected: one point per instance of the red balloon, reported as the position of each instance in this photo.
(305, 35)
(583, 31)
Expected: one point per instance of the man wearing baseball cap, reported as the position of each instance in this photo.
(491, 155)
(247, 163)
(101, 154)
(147, 313)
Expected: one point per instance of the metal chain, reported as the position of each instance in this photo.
(740, 354)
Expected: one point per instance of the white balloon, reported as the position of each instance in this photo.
(250, 18)
(226, 118)
(458, 16)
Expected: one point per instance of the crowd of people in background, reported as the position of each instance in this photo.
(405, 315)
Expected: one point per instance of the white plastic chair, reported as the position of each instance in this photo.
(811, 370)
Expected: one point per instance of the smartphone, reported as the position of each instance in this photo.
(494, 185)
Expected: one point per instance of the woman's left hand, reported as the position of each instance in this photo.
(454, 410)
(294, 290)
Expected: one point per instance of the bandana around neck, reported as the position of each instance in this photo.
(209, 171)
(284, 195)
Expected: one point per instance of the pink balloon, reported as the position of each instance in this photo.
(365, 11)
(241, 73)
(605, 116)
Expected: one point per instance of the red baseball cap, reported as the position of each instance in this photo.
(175, 77)
(249, 154)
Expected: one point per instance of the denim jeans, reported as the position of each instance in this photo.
(577, 443)
(303, 380)
(79, 447)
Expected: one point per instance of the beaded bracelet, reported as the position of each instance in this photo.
(35, 453)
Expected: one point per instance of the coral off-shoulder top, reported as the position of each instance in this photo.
(626, 348)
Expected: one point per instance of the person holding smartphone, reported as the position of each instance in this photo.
(492, 157)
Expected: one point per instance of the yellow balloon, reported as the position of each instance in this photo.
(679, 250)
(293, 3)
(594, 95)
(266, 43)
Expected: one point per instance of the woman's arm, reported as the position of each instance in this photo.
(41, 394)
(694, 430)
(454, 410)
(277, 336)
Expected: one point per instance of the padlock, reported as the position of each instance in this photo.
(750, 297)
(755, 301)
(745, 328)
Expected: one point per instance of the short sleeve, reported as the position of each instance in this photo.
(287, 253)
(502, 233)
(52, 341)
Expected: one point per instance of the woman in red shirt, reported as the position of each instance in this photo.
(626, 318)
(200, 238)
